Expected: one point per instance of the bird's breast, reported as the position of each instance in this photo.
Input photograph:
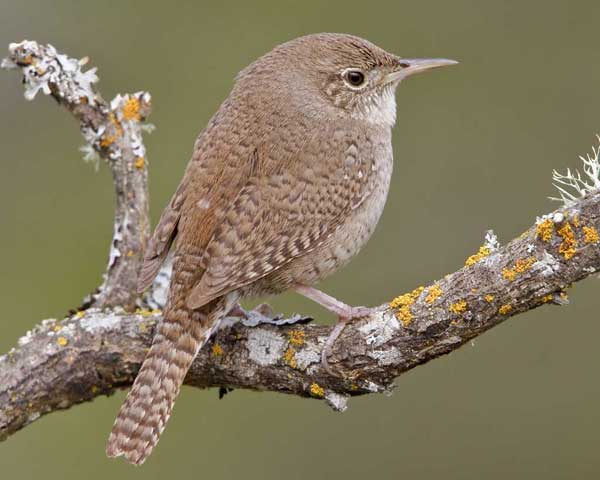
(351, 236)
(373, 171)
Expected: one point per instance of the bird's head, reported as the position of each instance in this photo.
(341, 72)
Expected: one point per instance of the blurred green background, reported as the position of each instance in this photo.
(475, 146)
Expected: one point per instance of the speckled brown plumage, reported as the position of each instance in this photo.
(285, 185)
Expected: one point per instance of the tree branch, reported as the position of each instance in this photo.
(95, 352)
(113, 132)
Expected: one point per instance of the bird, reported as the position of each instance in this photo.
(285, 185)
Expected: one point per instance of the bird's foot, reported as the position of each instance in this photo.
(345, 313)
(351, 314)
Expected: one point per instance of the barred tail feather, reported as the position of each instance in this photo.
(147, 408)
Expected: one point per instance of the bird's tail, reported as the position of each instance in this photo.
(147, 408)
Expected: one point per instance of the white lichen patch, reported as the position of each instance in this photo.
(90, 156)
(489, 250)
(575, 185)
(373, 387)
(337, 401)
(391, 356)
(548, 265)
(113, 254)
(157, 297)
(308, 355)
(65, 329)
(492, 260)
(453, 340)
(8, 64)
(379, 329)
(558, 218)
(25, 339)
(148, 127)
(117, 238)
(94, 323)
(255, 319)
(46, 326)
(265, 347)
(491, 241)
(47, 70)
(137, 145)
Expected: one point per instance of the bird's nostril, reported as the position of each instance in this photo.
(404, 64)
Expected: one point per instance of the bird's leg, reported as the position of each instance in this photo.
(344, 312)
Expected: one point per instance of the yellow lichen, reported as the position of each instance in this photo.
(433, 294)
(483, 252)
(131, 109)
(402, 305)
(590, 235)
(217, 350)
(576, 221)
(115, 121)
(544, 230)
(296, 337)
(144, 312)
(289, 357)
(95, 389)
(317, 390)
(568, 246)
(524, 264)
(404, 315)
(107, 141)
(489, 298)
(504, 309)
(458, 307)
(130, 253)
(80, 313)
(521, 266)
(547, 298)
(139, 163)
(62, 341)
(509, 274)
(407, 298)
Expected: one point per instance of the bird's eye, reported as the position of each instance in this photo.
(354, 78)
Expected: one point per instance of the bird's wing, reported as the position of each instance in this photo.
(215, 175)
(286, 209)
(161, 240)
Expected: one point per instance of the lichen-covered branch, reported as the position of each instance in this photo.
(62, 363)
(96, 351)
(112, 131)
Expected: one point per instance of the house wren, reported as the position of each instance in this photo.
(285, 185)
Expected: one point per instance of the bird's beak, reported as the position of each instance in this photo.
(410, 66)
